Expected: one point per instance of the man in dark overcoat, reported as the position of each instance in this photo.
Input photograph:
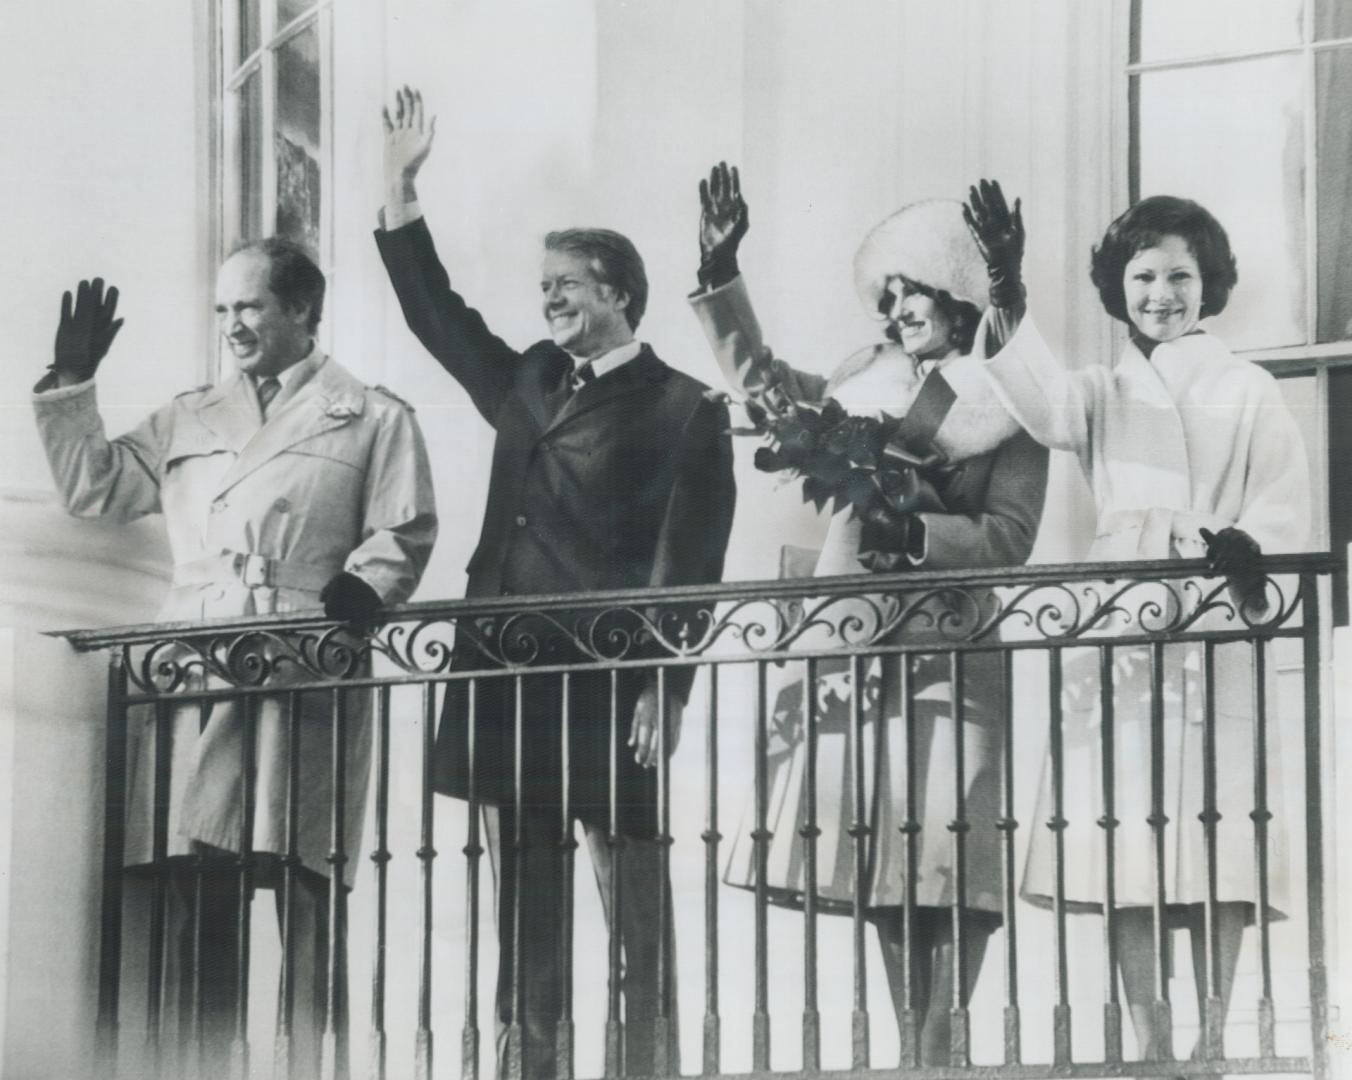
(610, 470)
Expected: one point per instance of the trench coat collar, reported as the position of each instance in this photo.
(327, 399)
(629, 378)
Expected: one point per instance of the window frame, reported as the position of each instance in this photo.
(1313, 358)
(228, 77)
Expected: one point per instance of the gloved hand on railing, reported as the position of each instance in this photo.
(347, 598)
(1236, 554)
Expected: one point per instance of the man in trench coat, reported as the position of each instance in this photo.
(610, 470)
(289, 485)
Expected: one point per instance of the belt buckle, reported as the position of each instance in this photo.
(255, 571)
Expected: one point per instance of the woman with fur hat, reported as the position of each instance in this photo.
(920, 271)
(1190, 452)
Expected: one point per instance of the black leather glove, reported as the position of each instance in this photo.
(891, 541)
(1236, 554)
(347, 598)
(86, 330)
(1000, 237)
(723, 221)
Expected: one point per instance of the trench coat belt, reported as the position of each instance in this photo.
(253, 571)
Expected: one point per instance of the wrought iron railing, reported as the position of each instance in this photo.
(1156, 608)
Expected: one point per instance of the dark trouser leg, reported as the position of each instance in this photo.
(216, 947)
(641, 885)
(533, 971)
(1136, 960)
(310, 966)
(932, 970)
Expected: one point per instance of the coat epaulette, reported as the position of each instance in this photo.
(195, 390)
(392, 395)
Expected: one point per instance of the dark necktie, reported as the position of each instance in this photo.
(268, 389)
(583, 375)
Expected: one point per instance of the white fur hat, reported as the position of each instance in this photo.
(927, 242)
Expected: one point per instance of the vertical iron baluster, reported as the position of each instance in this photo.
(1213, 1019)
(286, 990)
(197, 1066)
(960, 1053)
(239, 1056)
(330, 1044)
(812, 1036)
(711, 837)
(427, 853)
(1006, 825)
(473, 851)
(662, 1022)
(114, 851)
(614, 1025)
(1314, 825)
(760, 1020)
(910, 830)
(1112, 1005)
(1057, 824)
(1261, 815)
(159, 925)
(514, 1029)
(563, 1043)
(1162, 1020)
(859, 834)
(381, 858)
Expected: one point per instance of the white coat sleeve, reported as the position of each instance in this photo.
(734, 334)
(399, 515)
(96, 476)
(1054, 405)
(1277, 508)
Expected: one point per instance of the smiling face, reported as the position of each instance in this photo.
(922, 327)
(585, 316)
(264, 334)
(1163, 289)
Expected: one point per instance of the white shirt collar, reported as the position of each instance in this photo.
(285, 376)
(611, 360)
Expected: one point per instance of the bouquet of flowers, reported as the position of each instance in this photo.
(844, 460)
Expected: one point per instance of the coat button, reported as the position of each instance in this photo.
(521, 520)
(282, 505)
(218, 506)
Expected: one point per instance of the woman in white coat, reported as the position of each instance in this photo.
(922, 272)
(1190, 452)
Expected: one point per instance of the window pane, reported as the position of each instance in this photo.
(243, 180)
(1332, 19)
(1231, 137)
(287, 10)
(1170, 29)
(297, 139)
(1333, 73)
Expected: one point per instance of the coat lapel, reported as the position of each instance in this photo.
(328, 399)
(230, 410)
(640, 372)
(1151, 467)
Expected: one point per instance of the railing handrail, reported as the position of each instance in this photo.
(89, 640)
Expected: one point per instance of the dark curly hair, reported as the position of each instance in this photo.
(1145, 225)
(963, 317)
